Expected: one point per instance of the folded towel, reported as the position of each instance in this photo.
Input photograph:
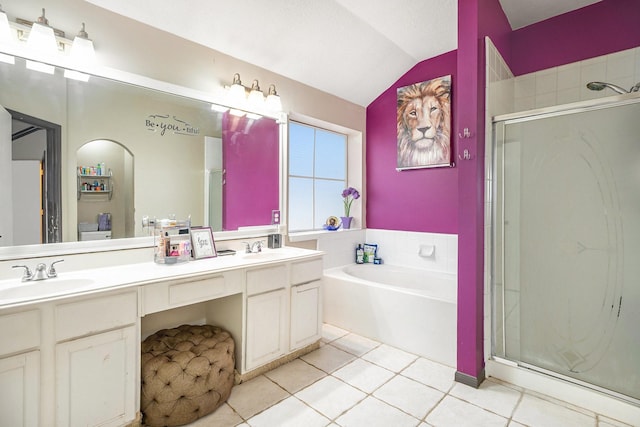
(104, 222)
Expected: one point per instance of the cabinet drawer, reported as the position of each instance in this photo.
(89, 316)
(20, 331)
(306, 271)
(266, 279)
(198, 290)
(162, 296)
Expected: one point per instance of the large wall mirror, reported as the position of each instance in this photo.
(110, 147)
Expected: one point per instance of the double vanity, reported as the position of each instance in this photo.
(70, 345)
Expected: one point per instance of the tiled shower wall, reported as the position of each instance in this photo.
(567, 83)
(554, 86)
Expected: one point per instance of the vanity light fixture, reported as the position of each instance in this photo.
(82, 48)
(256, 97)
(41, 37)
(5, 30)
(253, 97)
(42, 41)
(45, 45)
(6, 38)
(237, 91)
(82, 53)
(273, 102)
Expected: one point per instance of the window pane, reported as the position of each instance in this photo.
(328, 201)
(300, 150)
(330, 155)
(300, 204)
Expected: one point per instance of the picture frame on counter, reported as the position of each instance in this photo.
(202, 243)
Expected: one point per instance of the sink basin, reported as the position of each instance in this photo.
(262, 256)
(43, 288)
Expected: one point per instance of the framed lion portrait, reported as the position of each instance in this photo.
(424, 124)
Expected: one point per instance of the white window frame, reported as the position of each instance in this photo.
(355, 171)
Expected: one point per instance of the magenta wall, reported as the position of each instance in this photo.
(452, 200)
(250, 158)
(411, 200)
(602, 28)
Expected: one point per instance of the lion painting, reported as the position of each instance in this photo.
(424, 123)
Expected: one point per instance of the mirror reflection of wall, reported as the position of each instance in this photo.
(214, 182)
(29, 159)
(169, 175)
(29, 144)
(114, 194)
(252, 170)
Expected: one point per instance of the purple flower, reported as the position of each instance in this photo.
(349, 195)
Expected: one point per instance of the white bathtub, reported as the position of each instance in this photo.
(411, 309)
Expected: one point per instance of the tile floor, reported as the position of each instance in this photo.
(354, 381)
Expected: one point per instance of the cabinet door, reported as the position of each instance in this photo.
(266, 327)
(19, 390)
(96, 379)
(306, 320)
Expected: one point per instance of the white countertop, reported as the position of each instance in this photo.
(14, 292)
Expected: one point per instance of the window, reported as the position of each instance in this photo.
(317, 176)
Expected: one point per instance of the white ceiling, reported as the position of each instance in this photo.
(354, 49)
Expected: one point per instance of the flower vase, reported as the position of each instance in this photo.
(346, 222)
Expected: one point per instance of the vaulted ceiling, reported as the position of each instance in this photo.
(354, 49)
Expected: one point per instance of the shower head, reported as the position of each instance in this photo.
(602, 85)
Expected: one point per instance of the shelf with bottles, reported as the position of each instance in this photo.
(94, 184)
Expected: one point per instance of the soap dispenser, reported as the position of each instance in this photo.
(359, 254)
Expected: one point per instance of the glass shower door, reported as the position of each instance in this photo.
(567, 245)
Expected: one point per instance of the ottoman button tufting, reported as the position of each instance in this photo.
(174, 397)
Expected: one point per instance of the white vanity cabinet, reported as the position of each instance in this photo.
(306, 303)
(73, 359)
(267, 308)
(95, 360)
(20, 369)
(284, 312)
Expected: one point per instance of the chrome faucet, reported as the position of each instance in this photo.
(52, 270)
(40, 273)
(256, 247)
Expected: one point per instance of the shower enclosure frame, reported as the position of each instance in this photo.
(496, 362)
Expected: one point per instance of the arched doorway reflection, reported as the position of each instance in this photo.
(107, 193)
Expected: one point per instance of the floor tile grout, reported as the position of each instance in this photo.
(333, 363)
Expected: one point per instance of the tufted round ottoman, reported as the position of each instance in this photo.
(187, 373)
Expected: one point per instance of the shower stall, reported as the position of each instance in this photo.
(565, 257)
